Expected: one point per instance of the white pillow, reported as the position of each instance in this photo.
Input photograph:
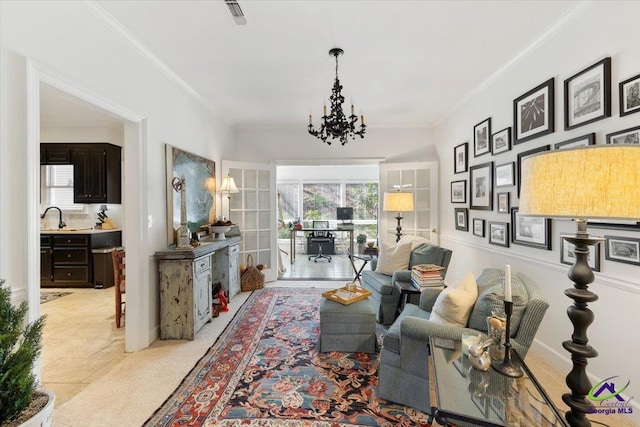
(393, 257)
(414, 240)
(454, 304)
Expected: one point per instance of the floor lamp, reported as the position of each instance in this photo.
(228, 187)
(398, 202)
(600, 182)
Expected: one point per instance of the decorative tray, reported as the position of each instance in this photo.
(345, 296)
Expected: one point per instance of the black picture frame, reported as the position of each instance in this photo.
(501, 141)
(462, 219)
(498, 233)
(525, 154)
(622, 249)
(478, 227)
(459, 191)
(481, 186)
(594, 81)
(533, 113)
(461, 158)
(503, 202)
(567, 256)
(481, 138)
(504, 175)
(625, 136)
(532, 231)
(629, 95)
(580, 141)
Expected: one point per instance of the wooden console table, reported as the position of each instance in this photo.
(186, 280)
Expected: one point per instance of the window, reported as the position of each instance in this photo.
(319, 201)
(56, 188)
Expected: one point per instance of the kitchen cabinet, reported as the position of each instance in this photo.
(65, 257)
(187, 278)
(55, 154)
(96, 173)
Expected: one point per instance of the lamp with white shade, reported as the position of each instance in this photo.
(398, 202)
(228, 187)
(598, 182)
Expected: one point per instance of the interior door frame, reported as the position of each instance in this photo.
(137, 334)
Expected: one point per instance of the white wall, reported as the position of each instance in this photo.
(72, 43)
(291, 146)
(604, 29)
(354, 173)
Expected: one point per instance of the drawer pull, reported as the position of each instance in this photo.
(68, 274)
(69, 256)
(69, 241)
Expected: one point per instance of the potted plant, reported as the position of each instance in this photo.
(21, 402)
(361, 239)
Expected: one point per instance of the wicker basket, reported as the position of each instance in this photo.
(252, 278)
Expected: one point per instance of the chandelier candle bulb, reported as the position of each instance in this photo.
(310, 120)
(362, 120)
(507, 283)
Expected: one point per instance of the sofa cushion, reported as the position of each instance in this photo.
(393, 257)
(381, 283)
(391, 340)
(490, 299)
(454, 304)
(427, 254)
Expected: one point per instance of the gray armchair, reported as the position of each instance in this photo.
(384, 298)
(403, 375)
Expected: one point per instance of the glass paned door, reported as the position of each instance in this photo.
(253, 208)
(420, 179)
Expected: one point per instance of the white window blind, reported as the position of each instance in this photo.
(57, 188)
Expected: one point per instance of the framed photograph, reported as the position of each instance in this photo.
(501, 141)
(533, 113)
(567, 255)
(499, 233)
(627, 136)
(525, 154)
(587, 95)
(460, 163)
(478, 227)
(459, 191)
(481, 134)
(503, 202)
(629, 95)
(462, 219)
(622, 249)
(481, 186)
(531, 231)
(581, 141)
(505, 175)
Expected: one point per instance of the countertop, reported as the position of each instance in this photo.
(206, 247)
(72, 230)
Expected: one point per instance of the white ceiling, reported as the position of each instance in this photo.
(406, 63)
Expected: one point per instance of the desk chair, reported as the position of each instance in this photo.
(320, 237)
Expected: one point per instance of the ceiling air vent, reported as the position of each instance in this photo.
(236, 12)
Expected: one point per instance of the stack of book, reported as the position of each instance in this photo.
(426, 275)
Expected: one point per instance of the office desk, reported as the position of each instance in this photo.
(292, 239)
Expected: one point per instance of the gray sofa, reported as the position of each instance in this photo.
(403, 374)
(383, 297)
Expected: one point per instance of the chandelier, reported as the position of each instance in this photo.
(337, 125)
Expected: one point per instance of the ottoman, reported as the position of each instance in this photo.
(349, 328)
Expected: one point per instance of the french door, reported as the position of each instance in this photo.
(253, 208)
(420, 179)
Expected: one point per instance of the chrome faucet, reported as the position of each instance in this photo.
(61, 223)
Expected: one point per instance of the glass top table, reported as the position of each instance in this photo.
(467, 397)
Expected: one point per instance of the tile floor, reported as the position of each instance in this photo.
(302, 268)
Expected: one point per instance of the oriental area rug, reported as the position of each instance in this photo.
(264, 370)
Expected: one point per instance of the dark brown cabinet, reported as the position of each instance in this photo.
(66, 260)
(55, 154)
(96, 173)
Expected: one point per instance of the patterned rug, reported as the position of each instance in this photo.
(50, 296)
(264, 370)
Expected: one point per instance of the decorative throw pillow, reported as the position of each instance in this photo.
(454, 304)
(415, 240)
(393, 257)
